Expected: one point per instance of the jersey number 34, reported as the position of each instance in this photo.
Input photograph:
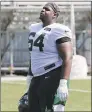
(38, 43)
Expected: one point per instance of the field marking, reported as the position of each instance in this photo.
(80, 90)
(15, 82)
(77, 90)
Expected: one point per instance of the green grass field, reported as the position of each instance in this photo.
(79, 99)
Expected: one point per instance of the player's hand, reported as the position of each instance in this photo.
(62, 90)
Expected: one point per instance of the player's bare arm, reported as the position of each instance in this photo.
(64, 47)
(65, 52)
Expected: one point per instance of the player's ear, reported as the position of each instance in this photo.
(54, 15)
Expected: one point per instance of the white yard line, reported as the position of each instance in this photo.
(20, 78)
(13, 82)
(13, 78)
(80, 90)
(75, 90)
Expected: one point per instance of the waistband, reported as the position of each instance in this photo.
(45, 69)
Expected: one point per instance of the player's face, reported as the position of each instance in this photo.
(47, 14)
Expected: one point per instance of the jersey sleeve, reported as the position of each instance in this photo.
(30, 27)
(62, 32)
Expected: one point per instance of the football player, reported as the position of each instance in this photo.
(51, 58)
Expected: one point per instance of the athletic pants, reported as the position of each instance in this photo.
(42, 91)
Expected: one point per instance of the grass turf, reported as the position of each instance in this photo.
(79, 100)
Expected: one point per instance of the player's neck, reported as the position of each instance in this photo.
(48, 23)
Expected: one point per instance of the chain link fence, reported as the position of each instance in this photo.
(14, 48)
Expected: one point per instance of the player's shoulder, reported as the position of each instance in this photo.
(62, 27)
(35, 25)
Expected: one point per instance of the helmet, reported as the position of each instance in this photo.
(23, 103)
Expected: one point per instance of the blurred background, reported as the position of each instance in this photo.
(16, 16)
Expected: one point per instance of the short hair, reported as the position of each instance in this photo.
(54, 7)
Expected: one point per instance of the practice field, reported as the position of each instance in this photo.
(79, 100)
